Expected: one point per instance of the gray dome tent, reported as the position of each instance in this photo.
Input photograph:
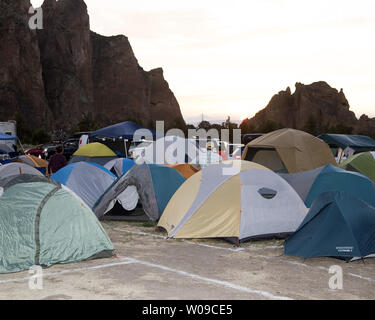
(42, 223)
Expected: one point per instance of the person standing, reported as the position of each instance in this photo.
(57, 161)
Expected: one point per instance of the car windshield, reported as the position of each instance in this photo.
(71, 143)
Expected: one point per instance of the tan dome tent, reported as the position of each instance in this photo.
(236, 200)
(289, 151)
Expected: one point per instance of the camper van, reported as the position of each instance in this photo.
(9, 127)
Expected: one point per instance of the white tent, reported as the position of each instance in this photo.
(16, 168)
(171, 150)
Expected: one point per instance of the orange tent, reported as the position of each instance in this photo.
(34, 162)
(185, 169)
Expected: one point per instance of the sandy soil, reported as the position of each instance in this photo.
(147, 266)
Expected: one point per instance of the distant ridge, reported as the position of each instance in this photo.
(316, 108)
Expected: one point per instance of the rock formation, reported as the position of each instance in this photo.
(63, 73)
(22, 94)
(316, 108)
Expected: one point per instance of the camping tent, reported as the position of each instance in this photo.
(185, 169)
(88, 180)
(336, 179)
(15, 168)
(35, 162)
(43, 224)
(362, 162)
(235, 200)
(119, 166)
(171, 150)
(356, 142)
(289, 151)
(93, 152)
(310, 184)
(123, 130)
(152, 184)
(338, 225)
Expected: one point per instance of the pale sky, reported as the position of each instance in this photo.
(230, 57)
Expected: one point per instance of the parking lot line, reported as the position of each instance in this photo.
(49, 274)
(221, 283)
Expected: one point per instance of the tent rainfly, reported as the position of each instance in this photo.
(310, 184)
(95, 153)
(153, 185)
(338, 225)
(120, 166)
(17, 168)
(361, 162)
(43, 224)
(236, 200)
(289, 151)
(88, 180)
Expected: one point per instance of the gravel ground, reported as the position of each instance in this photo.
(147, 266)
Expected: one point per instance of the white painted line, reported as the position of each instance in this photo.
(213, 247)
(236, 250)
(360, 277)
(103, 266)
(326, 269)
(221, 283)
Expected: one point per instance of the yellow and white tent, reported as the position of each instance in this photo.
(93, 152)
(236, 199)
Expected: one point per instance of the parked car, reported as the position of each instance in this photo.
(70, 147)
(50, 149)
(37, 151)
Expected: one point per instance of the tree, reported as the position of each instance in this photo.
(87, 124)
(40, 136)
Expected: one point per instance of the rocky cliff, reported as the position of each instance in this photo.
(316, 108)
(64, 73)
(22, 92)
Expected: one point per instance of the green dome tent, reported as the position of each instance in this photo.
(43, 224)
(363, 163)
